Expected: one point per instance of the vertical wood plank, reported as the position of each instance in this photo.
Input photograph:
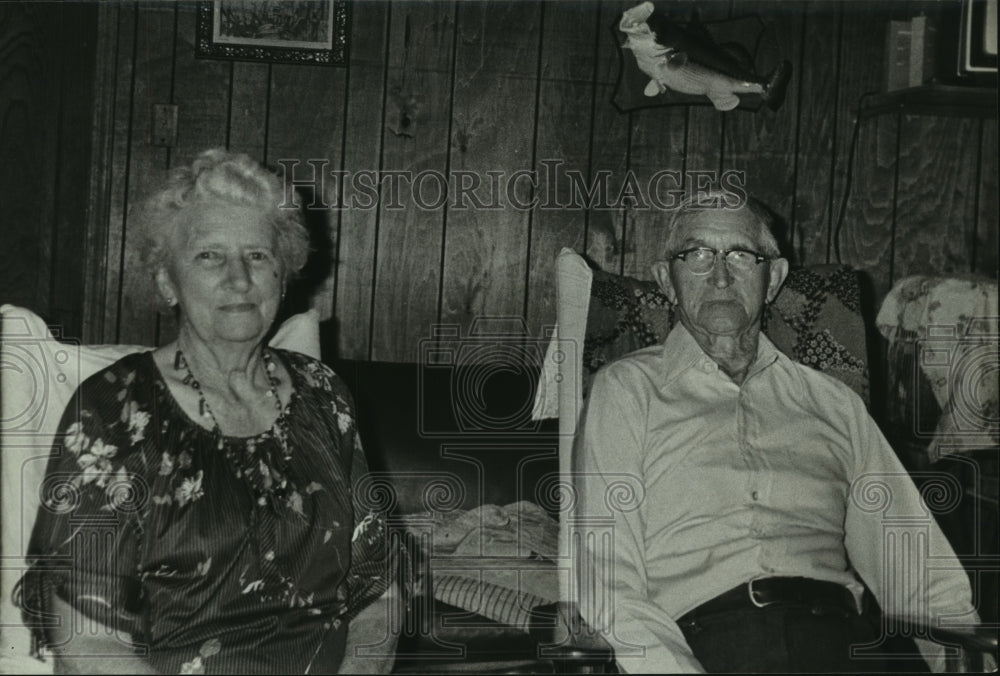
(986, 248)
(563, 128)
(818, 114)
(762, 144)
(936, 198)
(147, 166)
(308, 128)
(78, 36)
(358, 226)
(100, 183)
(29, 102)
(484, 270)
(862, 47)
(201, 92)
(247, 114)
(657, 137)
(609, 142)
(415, 130)
(866, 233)
(125, 73)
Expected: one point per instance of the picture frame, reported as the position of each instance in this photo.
(274, 31)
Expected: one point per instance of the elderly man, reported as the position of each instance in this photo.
(745, 549)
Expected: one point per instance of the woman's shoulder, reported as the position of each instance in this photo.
(123, 375)
(110, 418)
(313, 372)
(316, 377)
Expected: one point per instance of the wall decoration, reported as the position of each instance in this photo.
(666, 61)
(277, 31)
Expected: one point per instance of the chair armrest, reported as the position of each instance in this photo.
(566, 641)
(979, 648)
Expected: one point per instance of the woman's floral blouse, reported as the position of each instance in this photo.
(234, 560)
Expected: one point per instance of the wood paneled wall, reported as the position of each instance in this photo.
(46, 111)
(503, 86)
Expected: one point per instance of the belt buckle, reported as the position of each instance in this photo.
(753, 598)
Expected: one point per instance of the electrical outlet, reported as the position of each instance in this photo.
(164, 127)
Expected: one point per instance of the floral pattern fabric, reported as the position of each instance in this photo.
(942, 334)
(239, 559)
(815, 320)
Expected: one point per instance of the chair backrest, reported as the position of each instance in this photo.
(816, 320)
(38, 376)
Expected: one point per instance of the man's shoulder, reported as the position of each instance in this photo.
(826, 389)
(634, 368)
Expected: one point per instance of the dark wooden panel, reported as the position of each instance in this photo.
(124, 73)
(147, 166)
(358, 227)
(860, 73)
(818, 113)
(248, 109)
(987, 247)
(100, 193)
(415, 130)
(563, 129)
(201, 92)
(609, 142)
(657, 145)
(305, 122)
(865, 237)
(493, 117)
(936, 197)
(762, 144)
(29, 102)
(78, 36)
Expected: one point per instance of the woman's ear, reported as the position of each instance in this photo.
(168, 293)
(661, 273)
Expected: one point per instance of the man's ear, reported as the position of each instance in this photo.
(661, 273)
(779, 270)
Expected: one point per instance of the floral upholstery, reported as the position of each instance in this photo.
(815, 320)
(943, 346)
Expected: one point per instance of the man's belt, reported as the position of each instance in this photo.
(777, 591)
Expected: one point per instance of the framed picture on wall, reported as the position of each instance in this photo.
(274, 31)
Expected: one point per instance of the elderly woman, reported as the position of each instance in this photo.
(200, 507)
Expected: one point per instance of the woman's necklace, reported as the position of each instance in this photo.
(205, 411)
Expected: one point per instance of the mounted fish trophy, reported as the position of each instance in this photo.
(681, 63)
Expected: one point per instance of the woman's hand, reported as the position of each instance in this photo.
(90, 652)
(372, 631)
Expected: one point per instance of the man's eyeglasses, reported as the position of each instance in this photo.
(700, 260)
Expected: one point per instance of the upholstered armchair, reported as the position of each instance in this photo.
(816, 320)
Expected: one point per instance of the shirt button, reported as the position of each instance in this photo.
(755, 495)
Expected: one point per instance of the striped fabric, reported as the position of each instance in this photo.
(497, 603)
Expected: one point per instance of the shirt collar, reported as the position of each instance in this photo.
(682, 352)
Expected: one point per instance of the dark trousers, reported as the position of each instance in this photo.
(791, 639)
